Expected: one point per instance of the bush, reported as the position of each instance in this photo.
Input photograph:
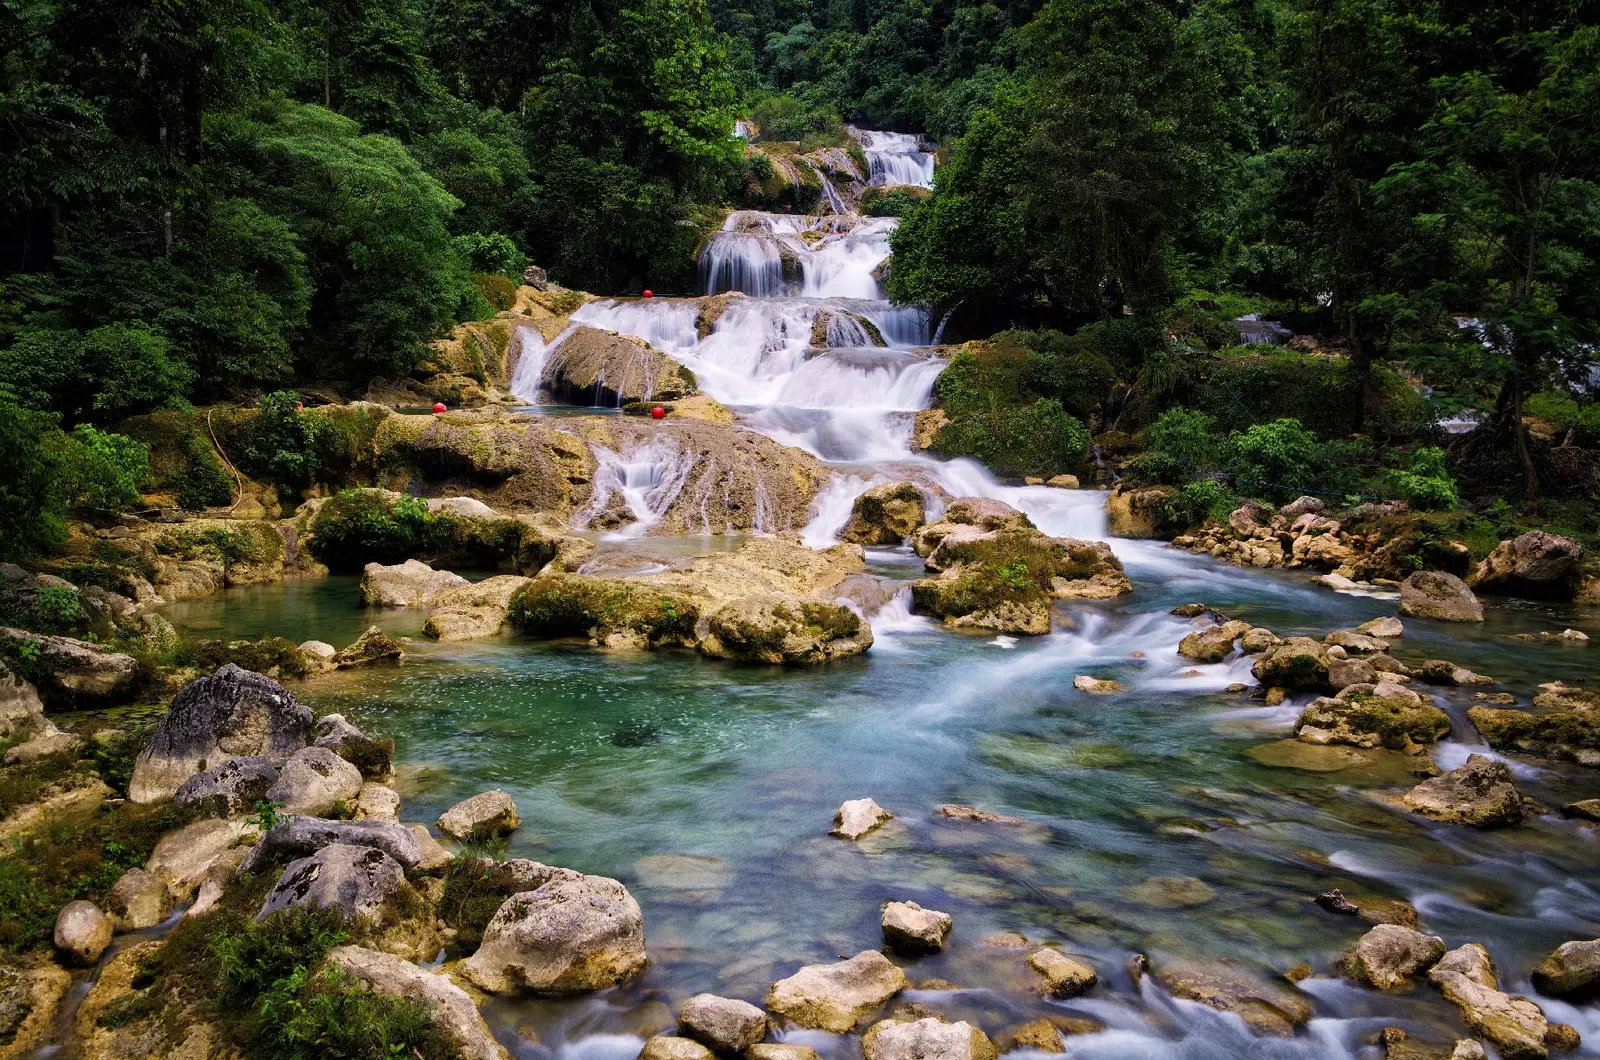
(103, 471)
(499, 292)
(1426, 482)
(1179, 444)
(33, 514)
(787, 118)
(892, 203)
(1281, 454)
(492, 253)
(362, 526)
(203, 483)
(1195, 502)
(996, 415)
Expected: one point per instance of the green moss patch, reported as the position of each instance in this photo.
(566, 605)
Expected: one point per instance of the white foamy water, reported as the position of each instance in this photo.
(533, 353)
(896, 158)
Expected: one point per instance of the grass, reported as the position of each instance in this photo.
(474, 890)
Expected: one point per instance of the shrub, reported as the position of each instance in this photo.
(492, 253)
(892, 203)
(361, 526)
(499, 292)
(203, 483)
(1179, 444)
(1281, 454)
(101, 470)
(1037, 439)
(1426, 482)
(787, 118)
(33, 514)
(281, 444)
(1193, 503)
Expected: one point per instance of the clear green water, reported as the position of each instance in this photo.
(709, 789)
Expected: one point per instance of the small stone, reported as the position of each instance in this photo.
(1171, 892)
(958, 812)
(856, 817)
(780, 1051)
(1096, 686)
(1189, 610)
(1583, 810)
(486, 815)
(909, 928)
(1334, 901)
(371, 647)
(1063, 976)
(1275, 696)
(1039, 1036)
(1387, 628)
(724, 1024)
(668, 1047)
(82, 933)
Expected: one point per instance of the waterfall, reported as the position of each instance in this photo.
(895, 158)
(647, 478)
(533, 353)
(830, 194)
(743, 261)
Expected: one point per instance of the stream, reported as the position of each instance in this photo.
(1177, 819)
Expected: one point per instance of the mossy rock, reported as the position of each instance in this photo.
(781, 629)
(1569, 735)
(566, 605)
(1370, 720)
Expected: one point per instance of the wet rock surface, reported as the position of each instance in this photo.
(1439, 596)
(1482, 793)
(567, 936)
(837, 997)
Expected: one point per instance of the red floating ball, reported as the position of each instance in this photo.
(438, 406)
(648, 293)
(658, 413)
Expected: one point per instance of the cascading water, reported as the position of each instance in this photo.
(646, 479)
(896, 158)
(527, 376)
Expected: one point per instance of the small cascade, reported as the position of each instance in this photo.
(895, 158)
(642, 481)
(533, 353)
(743, 261)
(830, 194)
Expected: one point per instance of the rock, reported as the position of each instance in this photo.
(774, 1051)
(301, 835)
(453, 1012)
(724, 1024)
(1257, 640)
(1583, 810)
(77, 669)
(82, 933)
(29, 1000)
(856, 817)
(958, 812)
(1269, 1006)
(368, 754)
(1004, 580)
(1569, 735)
(1214, 644)
(318, 649)
(433, 855)
(183, 856)
(373, 646)
(1334, 901)
(1439, 596)
(666, 1047)
(1386, 628)
(377, 802)
(1536, 564)
(1035, 1036)
(409, 584)
(1389, 955)
(231, 788)
(1063, 976)
(1514, 1025)
(1482, 793)
(592, 365)
(1296, 663)
(778, 628)
(477, 610)
(1398, 1045)
(357, 881)
(909, 928)
(485, 815)
(43, 745)
(137, 900)
(233, 712)
(1342, 673)
(1355, 643)
(885, 514)
(1381, 715)
(1304, 505)
(468, 507)
(1571, 971)
(1136, 512)
(837, 997)
(926, 1039)
(1096, 686)
(1442, 672)
(566, 936)
(1189, 610)
(1171, 892)
(314, 781)
(21, 710)
(1062, 482)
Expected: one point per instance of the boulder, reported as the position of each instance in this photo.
(21, 710)
(434, 855)
(314, 781)
(452, 1010)
(77, 669)
(184, 855)
(1439, 596)
(300, 835)
(1096, 686)
(1268, 1005)
(1305, 505)
(1298, 662)
(1481, 793)
(668, 1047)
(777, 1051)
(1582, 810)
(1386, 628)
(232, 712)
(837, 997)
(1062, 482)
(476, 610)
(1062, 976)
(1342, 673)
(567, 936)
(1381, 715)
(82, 933)
(368, 754)
(778, 628)
(724, 1024)
(1536, 564)
(1257, 640)
(1214, 644)
(909, 928)
(47, 742)
(373, 646)
(318, 649)
(409, 584)
(357, 881)
(377, 802)
(231, 788)
(1514, 1025)
(1136, 512)
(485, 815)
(886, 514)
(1568, 735)
(1571, 971)
(29, 1001)
(856, 817)
(1444, 672)
(1389, 955)
(926, 1039)
(137, 900)
(1004, 580)
(1355, 643)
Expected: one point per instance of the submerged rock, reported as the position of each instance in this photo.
(909, 928)
(567, 936)
(856, 817)
(1389, 955)
(409, 584)
(926, 1039)
(1481, 793)
(451, 1009)
(885, 514)
(1267, 1005)
(1096, 686)
(1439, 596)
(1062, 976)
(837, 997)
(724, 1024)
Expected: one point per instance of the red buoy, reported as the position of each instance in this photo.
(648, 293)
(438, 406)
(658, 413)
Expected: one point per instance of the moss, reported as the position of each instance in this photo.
(1395, 723)
(203, 482)
(830, 621)
(244, 543)
(474, 890)
(497, 290)
(270, 655)
(564, 605)
(361, 526)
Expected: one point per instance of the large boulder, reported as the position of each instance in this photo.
(1570, 735)
(837, 997)
(1482, 793)
(885, 514)
(1269, 1005)
(725, 1024)
(314, 781)
(137, 900)
(82, 933)
(77, 670)
(1389, 955)
(1571, 971)
(233, 787)
(409, 584)
(777, 628)
(486, 815)
(1439, 596)
(1537, 564)
(299, 835)
(1516, 1026)
(451, 1009)
(1298, 662)
(909, 928)
(1136, 512)
(475, 610)
(357, 881)
(1365, 715)
(183, 857)
(567, 936)
(369, 754)
(929, 1038)
(231, 712)
(1004, 580)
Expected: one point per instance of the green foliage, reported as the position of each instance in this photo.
(361, 526)
(893, 203)
(111, 370)
(281, 445)
(1277, 454)
(474, 890)
(103, 471)
(1194, 503)
(1178, 445)
(499, 292)
(784, 117)
(32, 507)
(997, 418)
(1426, 483)
(203, 483)
(492, 252)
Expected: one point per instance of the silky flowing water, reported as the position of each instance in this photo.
(709, 788)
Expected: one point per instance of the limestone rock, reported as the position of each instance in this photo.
(484, 815)
(21, 710)
(1063, 976)
(137, 900)
(596, 366)
(301, 835)
(1443, 672)
(1571, 971)
(1439, 596)
(1096, 686)
(1136, 512)
(1381, 715)
(357, 881)
(1062, 482)
(231, 788)
(1356, 643)
(1214, 644)
(909, 928)
(1389, 955)
(1516, 1026)
(454, 1014)
(183, 856)
(885, 514)
(926, 1039)
(567, 936)
(373, 646)
(837, 997)
(856, 817)
(1569, 735)
(1257, 640)
(1536, 564)
(313, 781)
(1269, 1006)
(232, 712)
(1298, 662)
(1482, 793)
(409, 584)
(369, 754)
(433, 855)
(82, 933)
(1386, 628)
(44, 744)
(1342, 673)
(668, 1047)
(77, 669)
(776, 1051)
(29, 1000)
(477, 610)
(1302, 505)
(777, 628)
(724, 1024)
(377, 802)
